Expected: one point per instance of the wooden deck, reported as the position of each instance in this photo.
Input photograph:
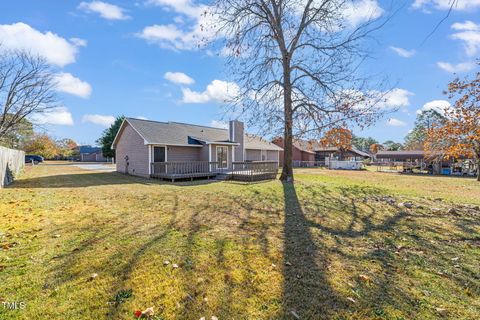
(184, 170)
(240, 171)
(254, 171)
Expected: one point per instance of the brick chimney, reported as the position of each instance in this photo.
(236, 134)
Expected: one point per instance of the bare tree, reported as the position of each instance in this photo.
(298, 66)
(26, 88)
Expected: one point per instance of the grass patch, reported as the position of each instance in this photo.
(337, 244)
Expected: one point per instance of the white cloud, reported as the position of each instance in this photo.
(102, 120)
(171, 37)
(467, 25)
(179, 78)
(461, 5)
(360, 11)
(441, 106)
(217, 90)
(79, 42)
(396, 123)
(185, 7)
(141, 118)
(56, 116)
(403, 52)
(456, 68)
(219, 124)
(53, 48)
(389, 100)
(67, 83)
(469, 34)
(186, 34)
(106, 10)
(396, 98)
(198, 28)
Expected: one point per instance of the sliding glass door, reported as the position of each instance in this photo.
(222, 157)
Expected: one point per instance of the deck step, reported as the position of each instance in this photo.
(222, 176)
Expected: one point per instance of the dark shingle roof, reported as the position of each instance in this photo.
(306, 145)
(402, 154)
(352, 150)
(176, 133)
(88, 149)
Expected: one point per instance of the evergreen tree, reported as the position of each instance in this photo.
(426, 119)
(392, 145)
(108, 135)
(363, 143)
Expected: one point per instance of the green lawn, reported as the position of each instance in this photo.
(335, 245)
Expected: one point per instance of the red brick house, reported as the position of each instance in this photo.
(303, 151)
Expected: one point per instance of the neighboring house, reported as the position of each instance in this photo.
(311, 153)
(91, 154)
(302, 151)
(139, 143)
(400, 156)
(322, 154)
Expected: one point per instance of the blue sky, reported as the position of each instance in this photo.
(139, 58)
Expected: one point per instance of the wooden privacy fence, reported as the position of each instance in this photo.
(11, 164)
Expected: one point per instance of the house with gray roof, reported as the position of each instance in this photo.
(141, 144)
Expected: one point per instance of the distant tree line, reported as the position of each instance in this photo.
(43, 145)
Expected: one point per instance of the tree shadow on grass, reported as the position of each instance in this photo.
(344, 232)
(314, 241)
(95, 179)
(307, 287)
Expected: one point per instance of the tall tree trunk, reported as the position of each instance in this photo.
(478, 169)
(287, 171)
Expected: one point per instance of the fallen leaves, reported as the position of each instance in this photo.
(365, 278)
(8, 245)
(93, 276)
(351, 300)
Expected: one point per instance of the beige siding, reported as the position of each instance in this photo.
(131, 144)
(183, 154)
(256, 155)
(204, 152)
(272, 155)
(253, 155)
(237, 136)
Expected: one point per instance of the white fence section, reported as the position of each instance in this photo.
(11, 163)
(345, 165)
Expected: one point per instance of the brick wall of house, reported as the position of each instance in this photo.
(131, 144)
(307, 156)
(297, 154)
